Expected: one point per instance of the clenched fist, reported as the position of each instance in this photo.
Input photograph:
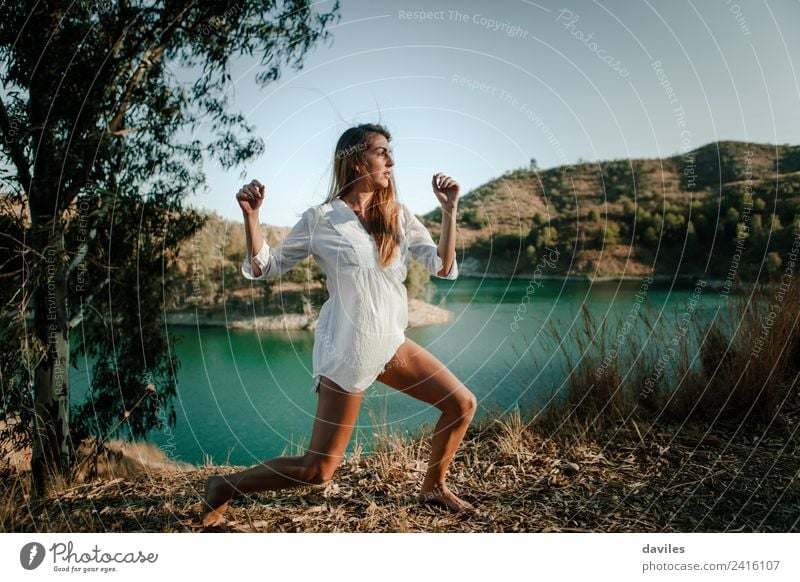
(446, 190)
(250, 197)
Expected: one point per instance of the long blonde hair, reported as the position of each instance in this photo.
(381, 215)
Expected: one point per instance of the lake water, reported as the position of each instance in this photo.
(245, 396)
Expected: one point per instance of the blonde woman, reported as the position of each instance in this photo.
(362, 238)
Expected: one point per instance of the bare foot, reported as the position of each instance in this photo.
(215, 500)
(444, 497)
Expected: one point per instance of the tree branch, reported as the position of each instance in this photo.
(114, 126)
(151, 57)
(17, 155)
(87, 302)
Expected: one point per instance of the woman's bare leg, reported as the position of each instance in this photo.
(337, 412)
(418, 373)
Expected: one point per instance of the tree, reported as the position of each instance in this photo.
(701, 222)
(547, 237)
(608, 235)
(650, 236)
(773, 262)
(475, 217)
(530, 253)
(756, 227)
(94, 125)
(418, 281)
(674, 229)
(628, 209)
(732, 218)
(795, 226)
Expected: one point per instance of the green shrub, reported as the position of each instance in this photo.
(418, 281)
(475, 218)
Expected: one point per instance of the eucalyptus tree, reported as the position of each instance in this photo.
(102, 112)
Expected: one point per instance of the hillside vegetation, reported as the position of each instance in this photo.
(727, 208)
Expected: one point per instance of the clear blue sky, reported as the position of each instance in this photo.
(555, 88)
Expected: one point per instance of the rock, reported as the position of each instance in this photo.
(421, 314)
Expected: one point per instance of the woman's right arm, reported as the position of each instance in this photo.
(250, 198)
(263, 261)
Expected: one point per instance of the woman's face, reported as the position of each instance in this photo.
(379, 160)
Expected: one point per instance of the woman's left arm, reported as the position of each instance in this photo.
(447, 191)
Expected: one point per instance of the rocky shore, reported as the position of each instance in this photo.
(420, 314)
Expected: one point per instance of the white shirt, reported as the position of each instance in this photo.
(363, 322)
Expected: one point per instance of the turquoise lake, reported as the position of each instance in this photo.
(245, 396)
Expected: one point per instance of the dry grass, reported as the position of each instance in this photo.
(749, 360)
(741, 377)
(522, 478)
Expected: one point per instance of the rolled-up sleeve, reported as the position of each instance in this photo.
(283, 257)
(422, 247)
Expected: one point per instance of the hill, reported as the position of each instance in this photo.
(724, 206)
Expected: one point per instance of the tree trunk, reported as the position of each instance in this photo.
(51, 435)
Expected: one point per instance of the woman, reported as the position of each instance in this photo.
(361, 237)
